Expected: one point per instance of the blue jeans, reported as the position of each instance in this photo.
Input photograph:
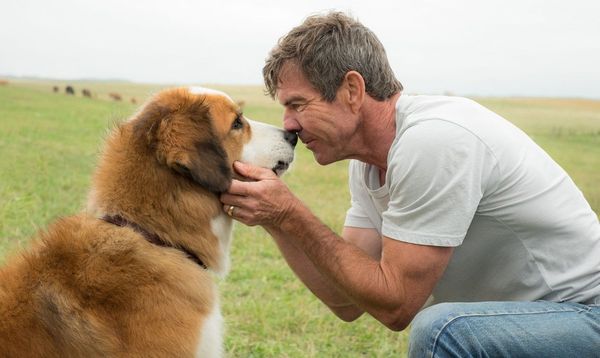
(506, 329)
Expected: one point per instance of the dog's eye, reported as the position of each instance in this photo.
(237, 124)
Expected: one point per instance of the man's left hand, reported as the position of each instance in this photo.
(264, 200)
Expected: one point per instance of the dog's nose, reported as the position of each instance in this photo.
(291, 137)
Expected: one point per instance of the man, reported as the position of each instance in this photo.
(449, 200)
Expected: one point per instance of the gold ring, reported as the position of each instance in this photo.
(230, 210)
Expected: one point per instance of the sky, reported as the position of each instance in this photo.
(541, 48)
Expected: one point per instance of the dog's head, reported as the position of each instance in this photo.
(199, 133)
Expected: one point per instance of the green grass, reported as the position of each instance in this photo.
(49, 143)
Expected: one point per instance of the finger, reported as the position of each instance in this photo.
(253, 172)
(230, 199)
(227, 207)
(238, 187)
(240, 215)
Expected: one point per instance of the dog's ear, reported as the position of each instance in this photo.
(147, 124)
(177, 130)
(206, 165)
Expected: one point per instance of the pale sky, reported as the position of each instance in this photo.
(467, 47)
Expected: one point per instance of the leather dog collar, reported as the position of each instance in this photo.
(152, 238)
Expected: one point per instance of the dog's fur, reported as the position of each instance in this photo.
(90, 288)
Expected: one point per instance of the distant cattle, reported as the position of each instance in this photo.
(133, 100)
(69, 90)
(115, 96)
(55, 89)
(3, 82)
(86, 93)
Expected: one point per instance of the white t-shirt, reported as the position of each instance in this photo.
(461, 176)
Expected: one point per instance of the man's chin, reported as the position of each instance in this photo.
(323, 159)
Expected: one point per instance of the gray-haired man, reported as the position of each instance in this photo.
(449, 200)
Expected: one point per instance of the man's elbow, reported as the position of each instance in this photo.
(347, 313)
(395, 321)
(396, 325)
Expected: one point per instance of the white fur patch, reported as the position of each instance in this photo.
(267, 147)
(211, 335)
(221, 226)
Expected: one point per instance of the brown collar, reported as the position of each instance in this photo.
(151, 237)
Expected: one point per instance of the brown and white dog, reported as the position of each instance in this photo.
(134, 275)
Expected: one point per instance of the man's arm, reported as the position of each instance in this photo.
(367, 240)
(391, 289)
(318, 284)
(346, 277)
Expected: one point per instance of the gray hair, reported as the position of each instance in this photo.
(326, 47)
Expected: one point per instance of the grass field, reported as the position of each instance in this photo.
(48, 148)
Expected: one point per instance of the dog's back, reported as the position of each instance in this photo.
(89, 288)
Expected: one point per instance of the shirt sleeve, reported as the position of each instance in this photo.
(357, 215)
(436, 174)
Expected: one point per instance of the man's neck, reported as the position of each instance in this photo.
(379, 131)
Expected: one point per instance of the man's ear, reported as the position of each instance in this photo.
(354, 85)
(206, 165)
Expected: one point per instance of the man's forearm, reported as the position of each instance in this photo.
(357, 277)
(318, 284)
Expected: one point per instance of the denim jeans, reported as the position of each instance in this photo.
(506, 329)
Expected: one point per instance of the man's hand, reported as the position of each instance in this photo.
(264, 200)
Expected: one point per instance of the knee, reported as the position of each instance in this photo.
(425, 327)
(428, 328)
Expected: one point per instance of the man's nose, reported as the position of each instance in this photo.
(290, 123)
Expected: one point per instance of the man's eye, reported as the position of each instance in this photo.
(298, 107)
(237, 124)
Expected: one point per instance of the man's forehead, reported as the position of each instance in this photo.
(292, 84)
